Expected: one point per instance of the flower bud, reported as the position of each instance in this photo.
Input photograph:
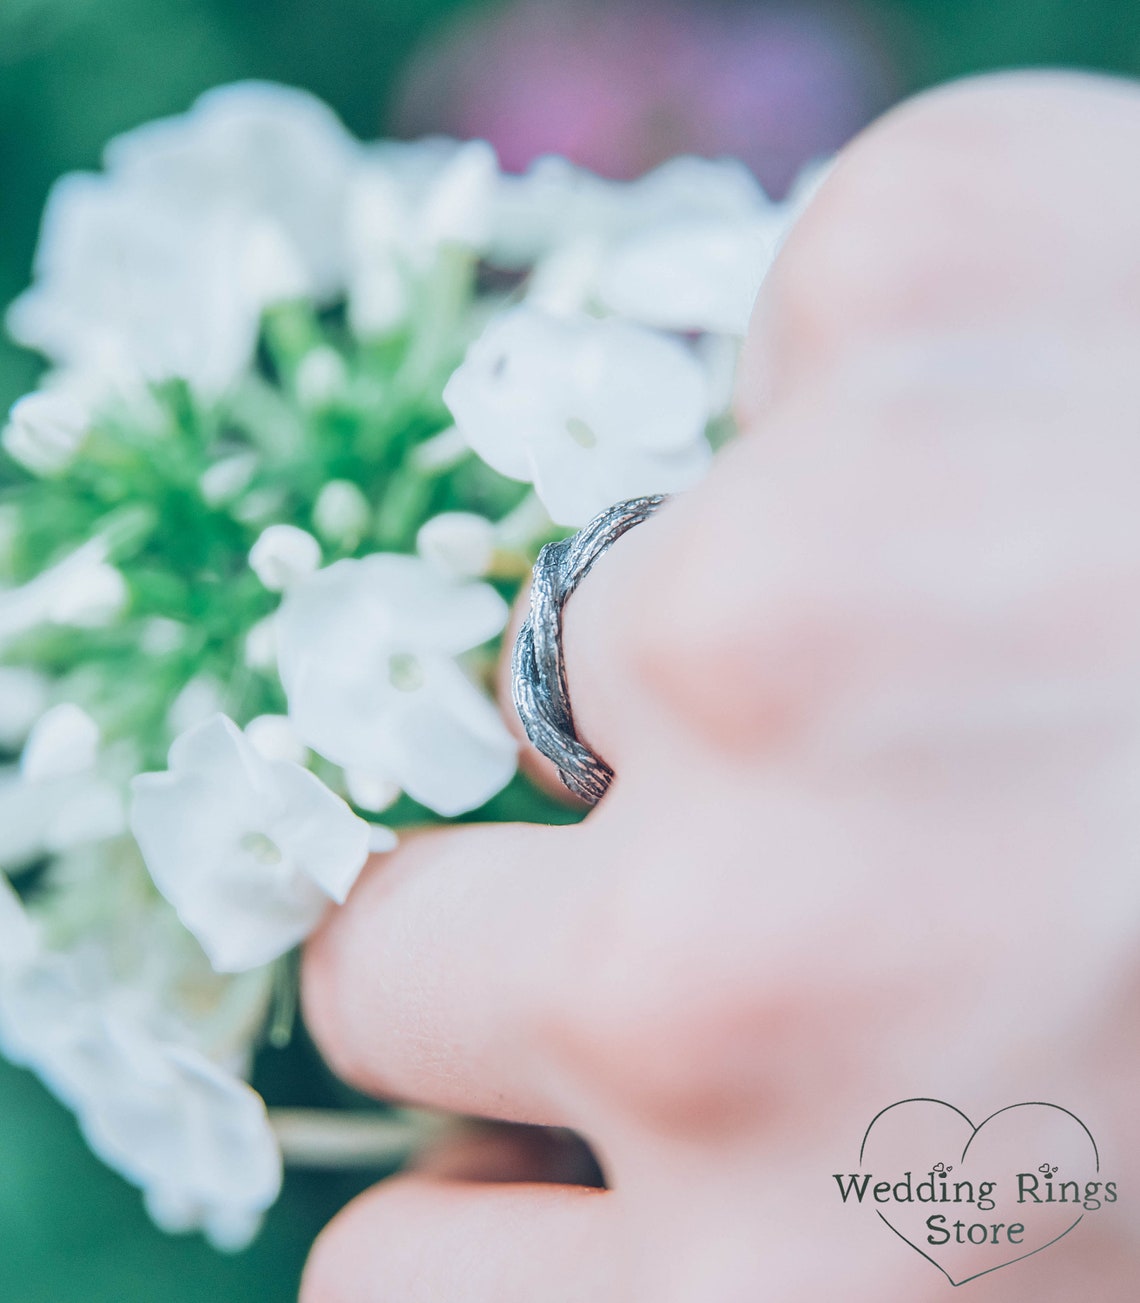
(341, 513)
(368, 791)
(222, 482)
(441, 452)
(381, 839)
(458, 543)
(282, 555)
(90, 598)
(274, 737)
(64, 740)
(321, 376)
(161, 636)
(44, 431)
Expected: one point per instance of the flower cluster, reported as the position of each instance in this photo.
(312, 407)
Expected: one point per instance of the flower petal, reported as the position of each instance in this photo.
(318, 832)
(274, 152)
(194, 1137)
(504, 391)
(247, 850)
(701, 275)
(451, 750)
(645, 390)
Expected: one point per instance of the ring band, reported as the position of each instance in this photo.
(538, 670)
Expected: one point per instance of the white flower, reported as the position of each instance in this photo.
(45, 430)
(684, 248)
(122, 275)
(407, 201)
(275, 155)
(194, 1137)
(366, 652)
(699, 275)
(283, 555)
(163, 264)
(556, 204)
(247, 850)
(592, 412)
(552, 203)
(457, 543)
(688, 187)
(150, 1103)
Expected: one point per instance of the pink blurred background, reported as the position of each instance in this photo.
(618, 87)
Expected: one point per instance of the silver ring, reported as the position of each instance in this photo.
(538, 671)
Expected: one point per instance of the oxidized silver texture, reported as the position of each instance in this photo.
(538, 671)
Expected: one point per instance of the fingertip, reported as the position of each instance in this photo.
(417, 1238)
(992, 198)
(428, 983)
(321, 993)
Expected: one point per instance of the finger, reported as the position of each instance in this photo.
(950, 324)
(933, 224)
(992, 201)
(433, 982)
(418, 1240)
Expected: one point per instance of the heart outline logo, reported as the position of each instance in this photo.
(974, 1131)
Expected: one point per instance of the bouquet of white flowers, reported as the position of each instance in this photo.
(313, 407)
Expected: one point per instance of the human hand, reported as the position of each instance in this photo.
(870, 693)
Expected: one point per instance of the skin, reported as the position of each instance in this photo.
(872, 693)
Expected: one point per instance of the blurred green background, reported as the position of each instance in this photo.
(72, 74)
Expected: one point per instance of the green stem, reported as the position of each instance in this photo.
(336, 1138)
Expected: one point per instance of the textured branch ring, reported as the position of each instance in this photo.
(538, 670)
